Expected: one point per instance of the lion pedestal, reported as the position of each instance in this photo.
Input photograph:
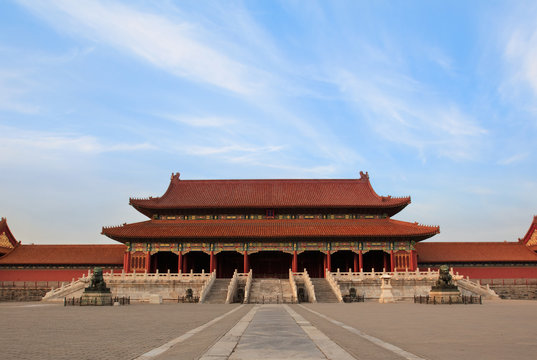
(445, 292)
(97, 294)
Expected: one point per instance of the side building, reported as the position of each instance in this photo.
(485, 260)
(270, 226)
(21, 264)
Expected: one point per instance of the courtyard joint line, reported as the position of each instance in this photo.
(374, 340)
(165, 347)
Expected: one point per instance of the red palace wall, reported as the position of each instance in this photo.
(45, 274)
(498, 272)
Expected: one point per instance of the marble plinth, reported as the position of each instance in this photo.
(445, 296)
(96, 299)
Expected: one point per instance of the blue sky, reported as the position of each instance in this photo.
(102, 100)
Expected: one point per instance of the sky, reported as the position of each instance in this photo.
(102, 100)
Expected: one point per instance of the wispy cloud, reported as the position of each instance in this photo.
(245, 61)
(15, 85)
(200, 121)
(513, 159)
(207, 150)
(402, 110)
(519, 42)
(21, 145)
(172, 46)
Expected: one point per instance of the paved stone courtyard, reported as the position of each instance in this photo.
(495, 330)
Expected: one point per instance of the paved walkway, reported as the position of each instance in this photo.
(372, 331)
(275, 332)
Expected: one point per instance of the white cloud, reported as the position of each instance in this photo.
(518, 43)
(200, 121)
(14, 88)
(513, 159)
(401, 110)
(174, 47)
(22, 146)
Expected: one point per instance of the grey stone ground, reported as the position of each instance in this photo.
(495, 330)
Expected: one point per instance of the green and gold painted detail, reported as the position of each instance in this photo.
(268, 217)
(288, 247)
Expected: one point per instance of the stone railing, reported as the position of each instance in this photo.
(474, 287)
(156, 277)
(67, 289)
(294, 290)
(207, 287)
(334, 285)
(309, 287)
(232, 287)
(396, 275)
(122, 282)
(247, 287)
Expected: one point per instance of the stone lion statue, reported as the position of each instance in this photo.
(97, 282)
(445, 280)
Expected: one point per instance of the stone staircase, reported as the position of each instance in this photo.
(218, 292)
(270, 291)
(323, 291)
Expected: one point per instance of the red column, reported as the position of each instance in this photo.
(148, 261)
(127, 261)
(185, 264)
(294, 266)
(246, 265)
(360, 260)
(180, 262)
(328, 261)
(415, 259)
(355, 267)
(392, 263)
(211, 261)
(410, 261)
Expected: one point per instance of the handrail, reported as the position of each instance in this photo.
(294, 289)
(232, 287)
(67, 288)
(404, 275)
(207, 287)
(309, 287)
(334, 285)
(247, 287)
(477, 288)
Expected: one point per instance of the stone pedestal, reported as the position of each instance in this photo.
(445, 296)
(386, 295)
(155, 299)
(97, 294)
(96, 299)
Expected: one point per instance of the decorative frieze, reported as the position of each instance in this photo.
(256, 246)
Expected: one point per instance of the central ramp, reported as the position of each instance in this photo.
(273, 334)
(270, 291)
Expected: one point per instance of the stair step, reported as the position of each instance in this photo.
(218, 292)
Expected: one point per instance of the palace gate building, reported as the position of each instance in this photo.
(270, 226)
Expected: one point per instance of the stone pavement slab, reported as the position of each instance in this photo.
(494, 330)
(44, 331)
(273, 334)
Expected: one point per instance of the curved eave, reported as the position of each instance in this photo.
(270, 229)
(150, 207)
